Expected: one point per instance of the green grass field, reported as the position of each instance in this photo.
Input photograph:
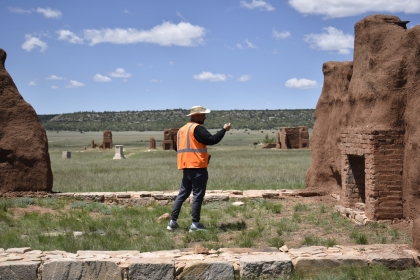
(51, 224)
(235, 164)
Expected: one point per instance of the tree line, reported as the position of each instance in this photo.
(156, 120)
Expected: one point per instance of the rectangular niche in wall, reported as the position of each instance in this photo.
(356, 179)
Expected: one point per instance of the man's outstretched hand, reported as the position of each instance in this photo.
(227, 126)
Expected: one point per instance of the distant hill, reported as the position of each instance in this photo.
(156, 120)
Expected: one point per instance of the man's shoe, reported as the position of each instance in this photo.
(172, 226)
(197, 227)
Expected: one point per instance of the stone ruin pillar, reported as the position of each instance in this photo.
(152, 143)
(278, 142)
(66, 155)
(107, 140)
(169, 138)
(119, 152)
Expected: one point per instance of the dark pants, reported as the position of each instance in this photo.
(195, 180)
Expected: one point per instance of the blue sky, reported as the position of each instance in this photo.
(69, 56)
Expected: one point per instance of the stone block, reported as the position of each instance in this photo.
(119, 152)
(19, 270)
(150, 269)
(312, 265)
(391, 260)
(66, 155)
(208, 270)
(86, 270)
(260, 266)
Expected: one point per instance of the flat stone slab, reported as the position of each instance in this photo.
(18, 250)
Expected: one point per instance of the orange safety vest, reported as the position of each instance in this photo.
(190, 152)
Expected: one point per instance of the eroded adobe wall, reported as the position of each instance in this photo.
(324, 173)
(382, 93)
(24, 158)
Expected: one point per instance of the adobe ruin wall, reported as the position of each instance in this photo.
(378, 91)
(24, 159)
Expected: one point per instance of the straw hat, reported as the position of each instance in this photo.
(198, 110)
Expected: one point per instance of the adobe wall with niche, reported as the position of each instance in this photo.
(371, 171)
(379, 89)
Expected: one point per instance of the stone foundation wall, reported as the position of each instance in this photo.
(199, 262)
(372, 162)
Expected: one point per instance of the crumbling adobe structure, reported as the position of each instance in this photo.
(24, 159)
(93, 144)
(107, 140)
(169, 138)
(366, 137)
(278, 141)
(294, 137)
(152, 143)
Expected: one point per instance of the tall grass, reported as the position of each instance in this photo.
(231, 167)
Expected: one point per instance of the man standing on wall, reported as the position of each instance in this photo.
(193, 159)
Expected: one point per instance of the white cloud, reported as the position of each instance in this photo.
(54, 87)
(67, 35)
(332, 40)
(156, 81)
(300, 84)
(18, 10)
(346, 8)
(32, 83)
(120, 73)
(244, 78)
(126, 12)
(171, 62)
(280, 35)
(32, 42)
(250, 45)
(75, 84)
(54, 77)
(182, 34)
(239, 46)
(208, 76)
(262, 5)
(49, 13)
(100, 78)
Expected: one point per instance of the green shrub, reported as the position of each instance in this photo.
(276, 242)
(358, 237)
(300, 207)
(23, 202)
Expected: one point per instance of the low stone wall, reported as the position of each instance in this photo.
(225, 263)
(165, 197)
